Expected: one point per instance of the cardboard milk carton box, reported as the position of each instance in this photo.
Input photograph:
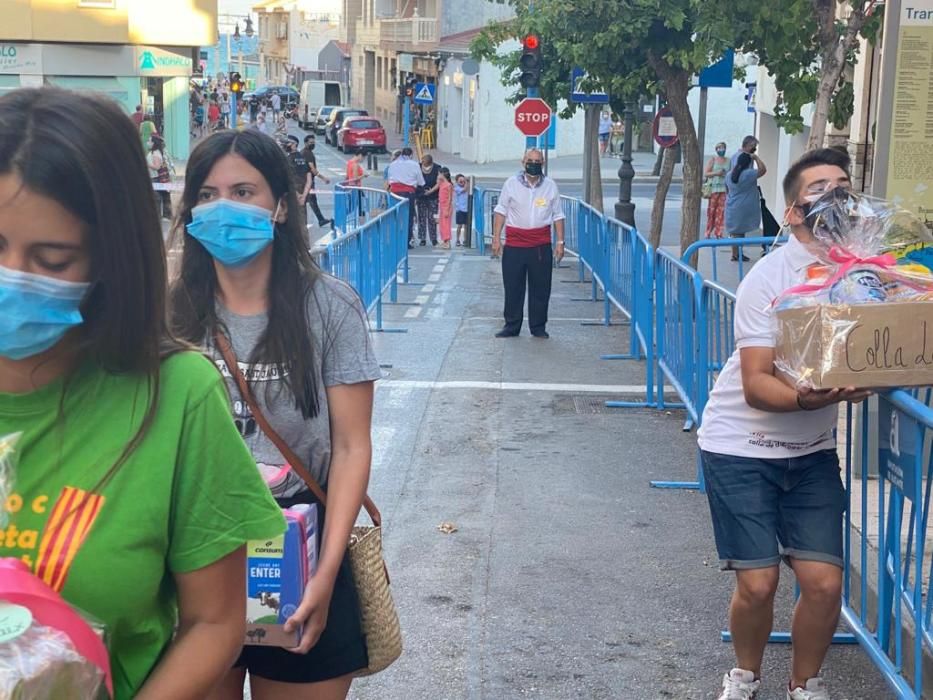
(277, 571)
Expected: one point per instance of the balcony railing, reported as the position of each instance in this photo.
(411, 31)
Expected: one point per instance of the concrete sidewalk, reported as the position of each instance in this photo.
(562, 168)
(567, 575)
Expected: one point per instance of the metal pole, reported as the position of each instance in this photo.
(587, 154)
(701, 135)
(406, 119)
(625, 208)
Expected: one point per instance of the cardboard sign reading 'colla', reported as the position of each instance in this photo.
(864, 346)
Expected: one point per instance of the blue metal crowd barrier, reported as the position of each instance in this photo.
(693, 254)
(370, 246)
(904, 606)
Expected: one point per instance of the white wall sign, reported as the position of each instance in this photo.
(20, 59)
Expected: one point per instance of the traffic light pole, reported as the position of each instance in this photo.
(406, 120)
(233, 115)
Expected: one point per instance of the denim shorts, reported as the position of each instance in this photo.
(768, 509)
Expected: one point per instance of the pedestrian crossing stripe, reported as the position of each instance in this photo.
(425, 94)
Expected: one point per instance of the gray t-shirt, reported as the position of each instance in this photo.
(343, 354)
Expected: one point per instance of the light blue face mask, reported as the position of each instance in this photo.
(36, 311)
(233, 233)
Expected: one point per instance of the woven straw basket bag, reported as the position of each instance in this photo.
(377, 609)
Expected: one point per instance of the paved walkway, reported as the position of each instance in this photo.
(567, 575)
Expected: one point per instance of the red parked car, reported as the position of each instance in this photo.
(361, 134)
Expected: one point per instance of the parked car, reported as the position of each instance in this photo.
(323, 115)
(315, 93)
(288, 94)
(336, 119)
(361, 134)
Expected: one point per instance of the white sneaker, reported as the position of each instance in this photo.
(739, 684)
(815, 690)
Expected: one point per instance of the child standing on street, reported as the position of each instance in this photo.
(462, 205)
(445, 205)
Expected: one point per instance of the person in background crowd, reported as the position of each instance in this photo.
(605, 131)
(146, 129)
(311, 159)
(303, 181)
(529, 205)
(114, 412)
(225, 112)
(617, 136)
(427, 201)
(749, 146)
(405, 177)
(445, 206)
(743, 202)
(304, 334)
(355, 175)
(355, 171)
(770, 463)
(715, 177)
(159, 172)
(385, 171)
(138, 116)
(213, 116)
(462, 206)
(276, 103)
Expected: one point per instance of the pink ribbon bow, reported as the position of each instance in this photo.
(845, 261)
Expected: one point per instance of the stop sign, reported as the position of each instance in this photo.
(532, 116)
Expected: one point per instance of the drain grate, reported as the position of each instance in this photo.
(585, 404)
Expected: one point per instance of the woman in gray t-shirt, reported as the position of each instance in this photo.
(301, 340)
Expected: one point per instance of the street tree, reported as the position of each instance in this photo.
(635, 48)
(806, 46)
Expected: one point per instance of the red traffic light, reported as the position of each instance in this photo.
(531, 42)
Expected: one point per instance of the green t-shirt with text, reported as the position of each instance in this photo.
(188, 495)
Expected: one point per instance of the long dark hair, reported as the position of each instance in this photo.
(89, 159)
(743, 162)
(286, 341)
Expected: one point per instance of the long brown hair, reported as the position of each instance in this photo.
(89, 158)
(287, 341)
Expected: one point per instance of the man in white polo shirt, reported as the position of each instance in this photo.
(770, 463)
(529, 205)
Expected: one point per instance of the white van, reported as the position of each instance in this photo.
(314, 94)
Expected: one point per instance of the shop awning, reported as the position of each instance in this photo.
(108, 86)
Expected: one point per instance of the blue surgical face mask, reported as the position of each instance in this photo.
(233, 233)
(36, 311)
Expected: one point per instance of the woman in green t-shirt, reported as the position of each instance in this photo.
(134, 496)
(301, 340)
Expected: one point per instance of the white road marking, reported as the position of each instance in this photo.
(440, 298)
(413, 312)
(443, 261)
(517, 386)
(434, 278)
(422, 299)
(550, 319)
(438, 269)
(428, 288)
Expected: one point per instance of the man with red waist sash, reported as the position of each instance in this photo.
(529, 205)
(405, 177)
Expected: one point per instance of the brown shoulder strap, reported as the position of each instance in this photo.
(293, 460)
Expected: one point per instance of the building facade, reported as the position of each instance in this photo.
(137, 53)
(292, 36)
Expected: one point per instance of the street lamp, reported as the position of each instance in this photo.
(625, 208)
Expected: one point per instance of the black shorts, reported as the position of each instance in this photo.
(341, 648)
(461, 218)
